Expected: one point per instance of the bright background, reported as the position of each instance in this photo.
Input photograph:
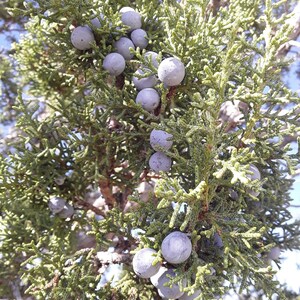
(290, 267)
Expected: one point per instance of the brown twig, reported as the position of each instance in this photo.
(120, 81)
(106, 192)
(214, 5)
(90, 206)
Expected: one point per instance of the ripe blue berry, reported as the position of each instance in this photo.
(160, 162)
(123, 46)
(154, 278)
(82, 37)
(126, 9)
(114, 63)
(169, 292)
(142, 263)
(171, 71)
(67, 211)
(160, 138)
(176, 247)
(255, 173)
(274, 253)
(218, 241)
(56, 204)
(254, 176)
(145, 82)
(152, 57)
(148, 98)
(131, 18)
(60, 180)
(139, 38)
(96, 22)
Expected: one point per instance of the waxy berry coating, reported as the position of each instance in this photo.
(142, 263)
(254, 176)
(176, 247)
(172, 292)
(114, 63)
(154, 278)
(139, 38)
(82, 37)
(67, 211)
(152, 57)
(96, 22)
(145, 82)
(56, 204)
(126, 9)
(274, 253)
(160, 138)
(160, 162)
(171, 71)
(255, 173)
(149, 98)
(123, 46)
(131, 18)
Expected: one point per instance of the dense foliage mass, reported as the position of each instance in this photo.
(158, 150)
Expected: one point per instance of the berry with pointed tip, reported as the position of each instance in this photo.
(169, 292)
(123, 46)
(82, 37)
(114, 63)
(160, 162)
(142, 263)
(160, 138)
(66, 212)
(131, 18)
(149, 99)
(140, 38)
(56, 204)
(176, 247)
(145, 82)
(171, 71)
(185, 296)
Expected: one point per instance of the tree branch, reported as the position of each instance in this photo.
(106, 192)
(90, 206)
(214, 5)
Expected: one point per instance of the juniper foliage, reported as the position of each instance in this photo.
(92, 135)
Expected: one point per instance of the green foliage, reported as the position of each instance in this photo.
(93, 133)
